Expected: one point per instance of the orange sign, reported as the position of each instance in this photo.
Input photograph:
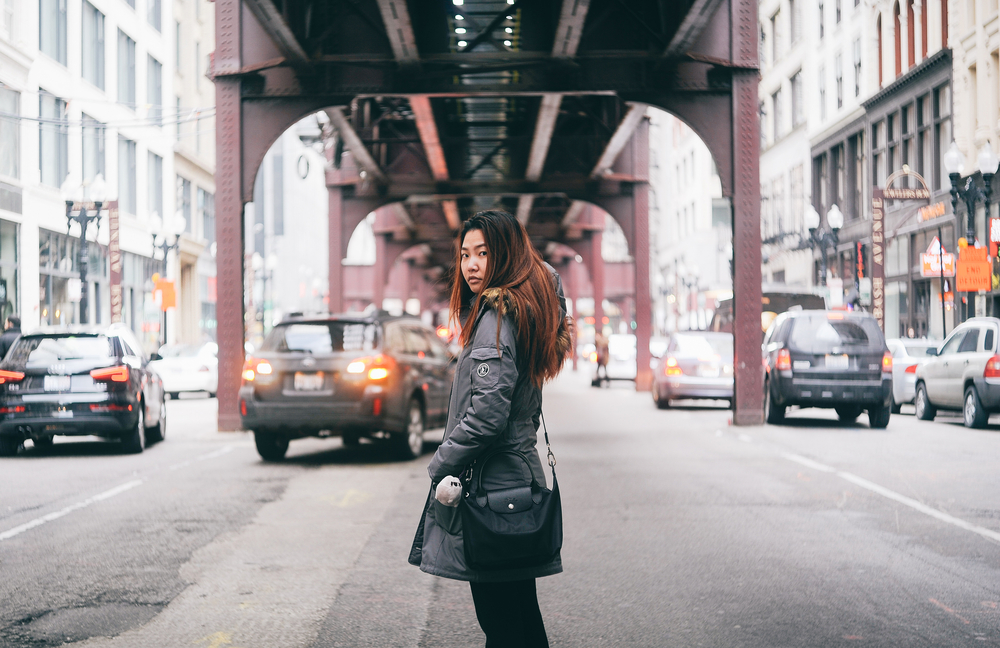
(974, 270)
(168, 296)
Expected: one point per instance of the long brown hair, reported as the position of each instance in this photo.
(516, 270)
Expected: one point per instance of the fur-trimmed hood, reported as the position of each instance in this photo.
(499, 300)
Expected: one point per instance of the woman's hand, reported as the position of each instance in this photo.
(449, 491)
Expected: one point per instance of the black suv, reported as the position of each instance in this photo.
(347, 376)
(832, 359)
(84, 380)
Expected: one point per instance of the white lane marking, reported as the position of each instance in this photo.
(896, 497)
(108, 494)
(210, 455)
(745, 438)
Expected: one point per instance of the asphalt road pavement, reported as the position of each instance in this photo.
(681, 530)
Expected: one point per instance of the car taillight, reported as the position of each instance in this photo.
(784, 362)
(10, 376)
(253, 368)
(377, 368)
(16, 409)
(912, 369)
(670, 367)
(111, 374)
(886, 362)
(992, 368)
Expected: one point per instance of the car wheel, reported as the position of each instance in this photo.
(44, 443)
(878, 417)
(211, 394)
(175, 395)
(925, 411)
(350, 439)
(410, 442)
(848, 413)
(974, 414)
(774, 413)
(9, 446)
(661, 402)
(135, 441)
(270, 445)
(896, 407)
(158, 432)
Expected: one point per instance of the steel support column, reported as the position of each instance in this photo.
(335, 277)
(597, 278)
(749, 391)
(382, 268)
(229, 213)
(640, 220)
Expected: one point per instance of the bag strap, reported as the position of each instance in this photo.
(551, 457)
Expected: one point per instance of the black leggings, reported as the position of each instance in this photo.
(509, 615)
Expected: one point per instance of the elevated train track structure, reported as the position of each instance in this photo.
(440, 108)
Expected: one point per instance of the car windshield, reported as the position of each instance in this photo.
(823, 333)
(179, 351)
(920, 350)
(322, 337)
(696, 345)
(46, 350)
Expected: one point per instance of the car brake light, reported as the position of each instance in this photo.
(886, 362)
(377, 368)
(253, 368)
(10, 376)
(111, 374)
(992, 368)
(16, 409)
(912, 369)
(671, 368)
(784, 362)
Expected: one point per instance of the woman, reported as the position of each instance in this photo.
(515, 336)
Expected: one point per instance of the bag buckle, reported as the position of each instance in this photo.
(552, 459)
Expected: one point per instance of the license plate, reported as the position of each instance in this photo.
(708, 371)
(57, 383)
(838, 362)
(63, 414)
(308, 381)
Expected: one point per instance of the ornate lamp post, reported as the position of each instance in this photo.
(160, 242)
(954, 164)
(823, 238)
(73, 194)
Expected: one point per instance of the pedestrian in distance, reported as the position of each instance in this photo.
(603, 354)
(515, 336)
(12, 331)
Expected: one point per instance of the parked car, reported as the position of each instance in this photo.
(963, 375)
(188, 368)
(86, 380)
(696, 364)
(907, 355)
(346, 376)
(830, 359)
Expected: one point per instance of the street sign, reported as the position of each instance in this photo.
(167, 294)
(930, 261)
(974, 270)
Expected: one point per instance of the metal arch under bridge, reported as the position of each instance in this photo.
(537, 107)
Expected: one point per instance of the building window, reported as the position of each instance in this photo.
(822, 20)
(177, 49)
(776, 125)
(154, 90)
(155, 14)
(53, 140)
(93, 45)
(822, 93)
(944, 24)
(762, 112)
(878, 30)
(775, 35)
(840, 175)
(942, 131)
(126, 176)
(8, 26)
(126, 70)
(206, 206)
(796, 179)
(798, 113)
(878, 154)
(896, 28)
(197, 68)
(856, 184)
(10, 133)
(155, 189)
(838, 67)
(184, 201)
(857, 67)
(9, 279)
(910, 31)
(838, 11)
(52, 29)
(94, 138)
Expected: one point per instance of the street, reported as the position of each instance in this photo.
(681, 530)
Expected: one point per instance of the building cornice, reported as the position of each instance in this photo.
(841, 129)
(938, 61)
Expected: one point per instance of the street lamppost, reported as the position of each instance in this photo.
(160, 242)
(823, 238)
(954, 164)
(73, 194)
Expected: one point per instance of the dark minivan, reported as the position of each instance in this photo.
(348, 376)
(831, 359)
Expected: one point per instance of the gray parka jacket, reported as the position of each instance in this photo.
(493, 407)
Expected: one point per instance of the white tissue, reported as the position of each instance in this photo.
(449, 491)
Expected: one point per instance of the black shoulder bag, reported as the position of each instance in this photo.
(515, 527)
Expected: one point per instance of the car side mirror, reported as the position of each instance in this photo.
(155, 356)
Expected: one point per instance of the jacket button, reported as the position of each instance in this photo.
(510, 506)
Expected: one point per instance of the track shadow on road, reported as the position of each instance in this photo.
(76, 448)
(375, 451)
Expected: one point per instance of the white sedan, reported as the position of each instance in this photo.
(188, 368)
(907, 355)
